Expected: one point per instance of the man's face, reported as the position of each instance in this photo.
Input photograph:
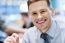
(39, 12)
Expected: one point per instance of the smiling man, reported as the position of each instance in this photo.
(40, 11)
(45, 30)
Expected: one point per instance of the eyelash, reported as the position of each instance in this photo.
(42, 11)
(34, 13)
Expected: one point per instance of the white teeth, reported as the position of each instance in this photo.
(39, 22)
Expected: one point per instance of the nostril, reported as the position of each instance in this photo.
(45, 19)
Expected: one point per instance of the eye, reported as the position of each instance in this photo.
(42, 12)
(34, 13)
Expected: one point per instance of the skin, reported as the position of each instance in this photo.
(39, 11)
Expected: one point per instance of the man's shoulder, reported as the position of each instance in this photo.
(32, 29)
(63, 33)
(30, 33)
(63, 30)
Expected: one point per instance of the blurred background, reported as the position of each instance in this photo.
(14, 16)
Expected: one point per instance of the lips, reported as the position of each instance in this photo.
(40, 21)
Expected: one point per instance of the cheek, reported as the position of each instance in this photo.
(33, 18)
(49, 19)
(47, 15)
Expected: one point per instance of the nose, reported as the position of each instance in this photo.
(39, 16)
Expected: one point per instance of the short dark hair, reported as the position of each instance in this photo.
(32, 1)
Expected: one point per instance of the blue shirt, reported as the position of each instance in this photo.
(33, 34)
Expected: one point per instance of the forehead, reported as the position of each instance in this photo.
(38, 5)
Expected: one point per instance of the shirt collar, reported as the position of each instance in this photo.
(53, 30)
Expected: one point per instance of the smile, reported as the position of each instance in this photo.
(41, 21)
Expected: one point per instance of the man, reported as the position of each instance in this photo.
(45, 30)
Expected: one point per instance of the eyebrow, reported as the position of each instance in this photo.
(33, 11)
(43, 10)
